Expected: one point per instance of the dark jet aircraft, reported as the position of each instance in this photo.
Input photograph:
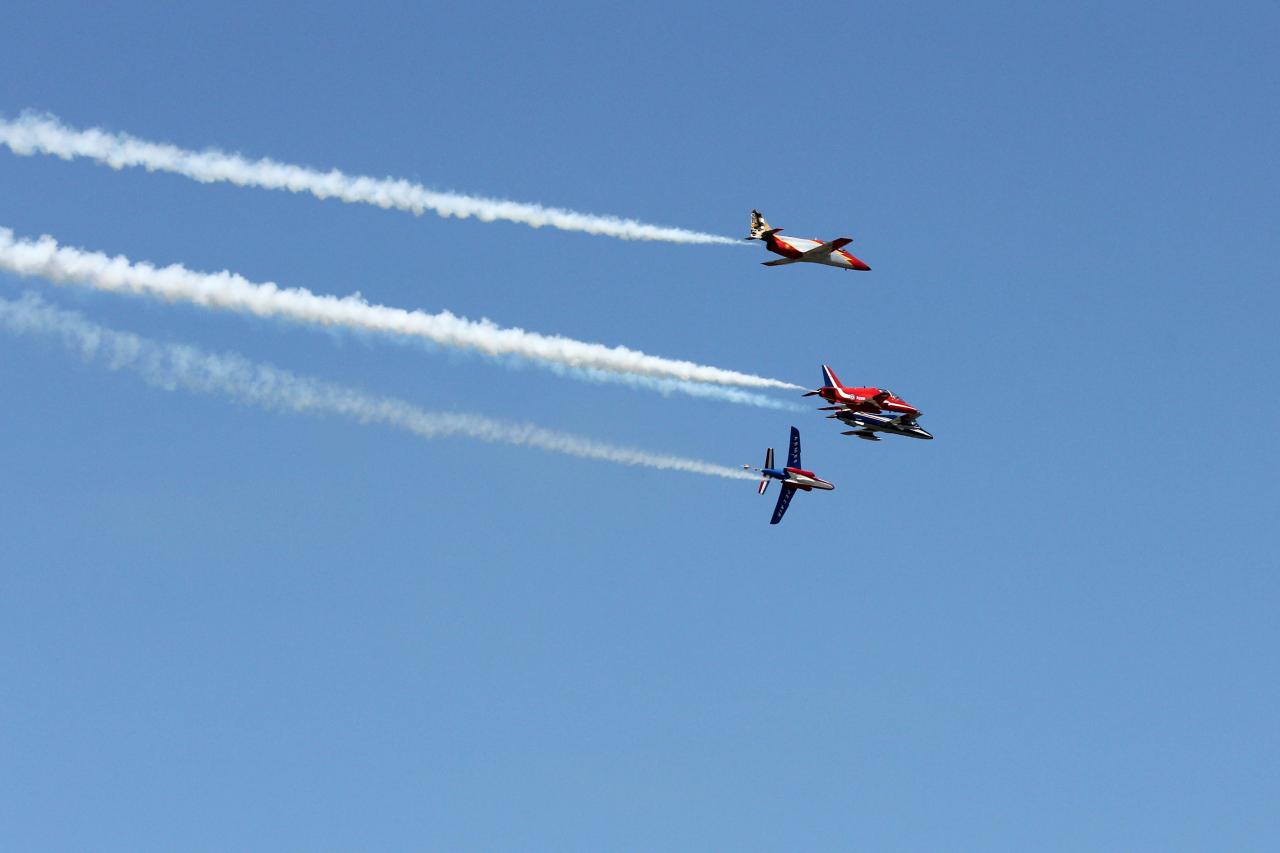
(867, 425)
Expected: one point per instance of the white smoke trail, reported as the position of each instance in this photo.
(227, 291)
(173, 366)
(30, 134)
(667, 387)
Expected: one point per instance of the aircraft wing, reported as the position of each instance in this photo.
(784, 501)
(780, 262)
(825, 249)
(793, 454)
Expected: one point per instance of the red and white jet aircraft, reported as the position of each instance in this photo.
(795, 250)
(871, 400)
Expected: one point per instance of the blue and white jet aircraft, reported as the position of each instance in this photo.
(866, 425)
(792, 477)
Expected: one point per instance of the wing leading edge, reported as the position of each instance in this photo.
(820, 252)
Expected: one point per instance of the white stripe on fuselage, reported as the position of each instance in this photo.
(844, 396)
(812, 482)
(800, 244)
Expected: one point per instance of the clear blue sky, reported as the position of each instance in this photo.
(1052, 628)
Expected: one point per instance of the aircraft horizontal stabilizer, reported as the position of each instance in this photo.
(780, 262)
(863, 434)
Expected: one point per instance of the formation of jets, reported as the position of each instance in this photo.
(867, 411)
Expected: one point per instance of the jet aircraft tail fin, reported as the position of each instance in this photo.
(760, 227)
(764, 478)
(829, 378)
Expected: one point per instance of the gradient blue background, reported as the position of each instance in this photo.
(1052, 628)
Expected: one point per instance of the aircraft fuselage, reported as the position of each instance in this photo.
(863, 400)
(867, 424)
(798, 478)
(794, 247)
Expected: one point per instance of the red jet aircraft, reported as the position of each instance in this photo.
(871, 400)
(795, 250)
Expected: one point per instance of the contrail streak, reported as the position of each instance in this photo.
(667, 387)
(174, 366)
(44, 258)
(31, 134)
